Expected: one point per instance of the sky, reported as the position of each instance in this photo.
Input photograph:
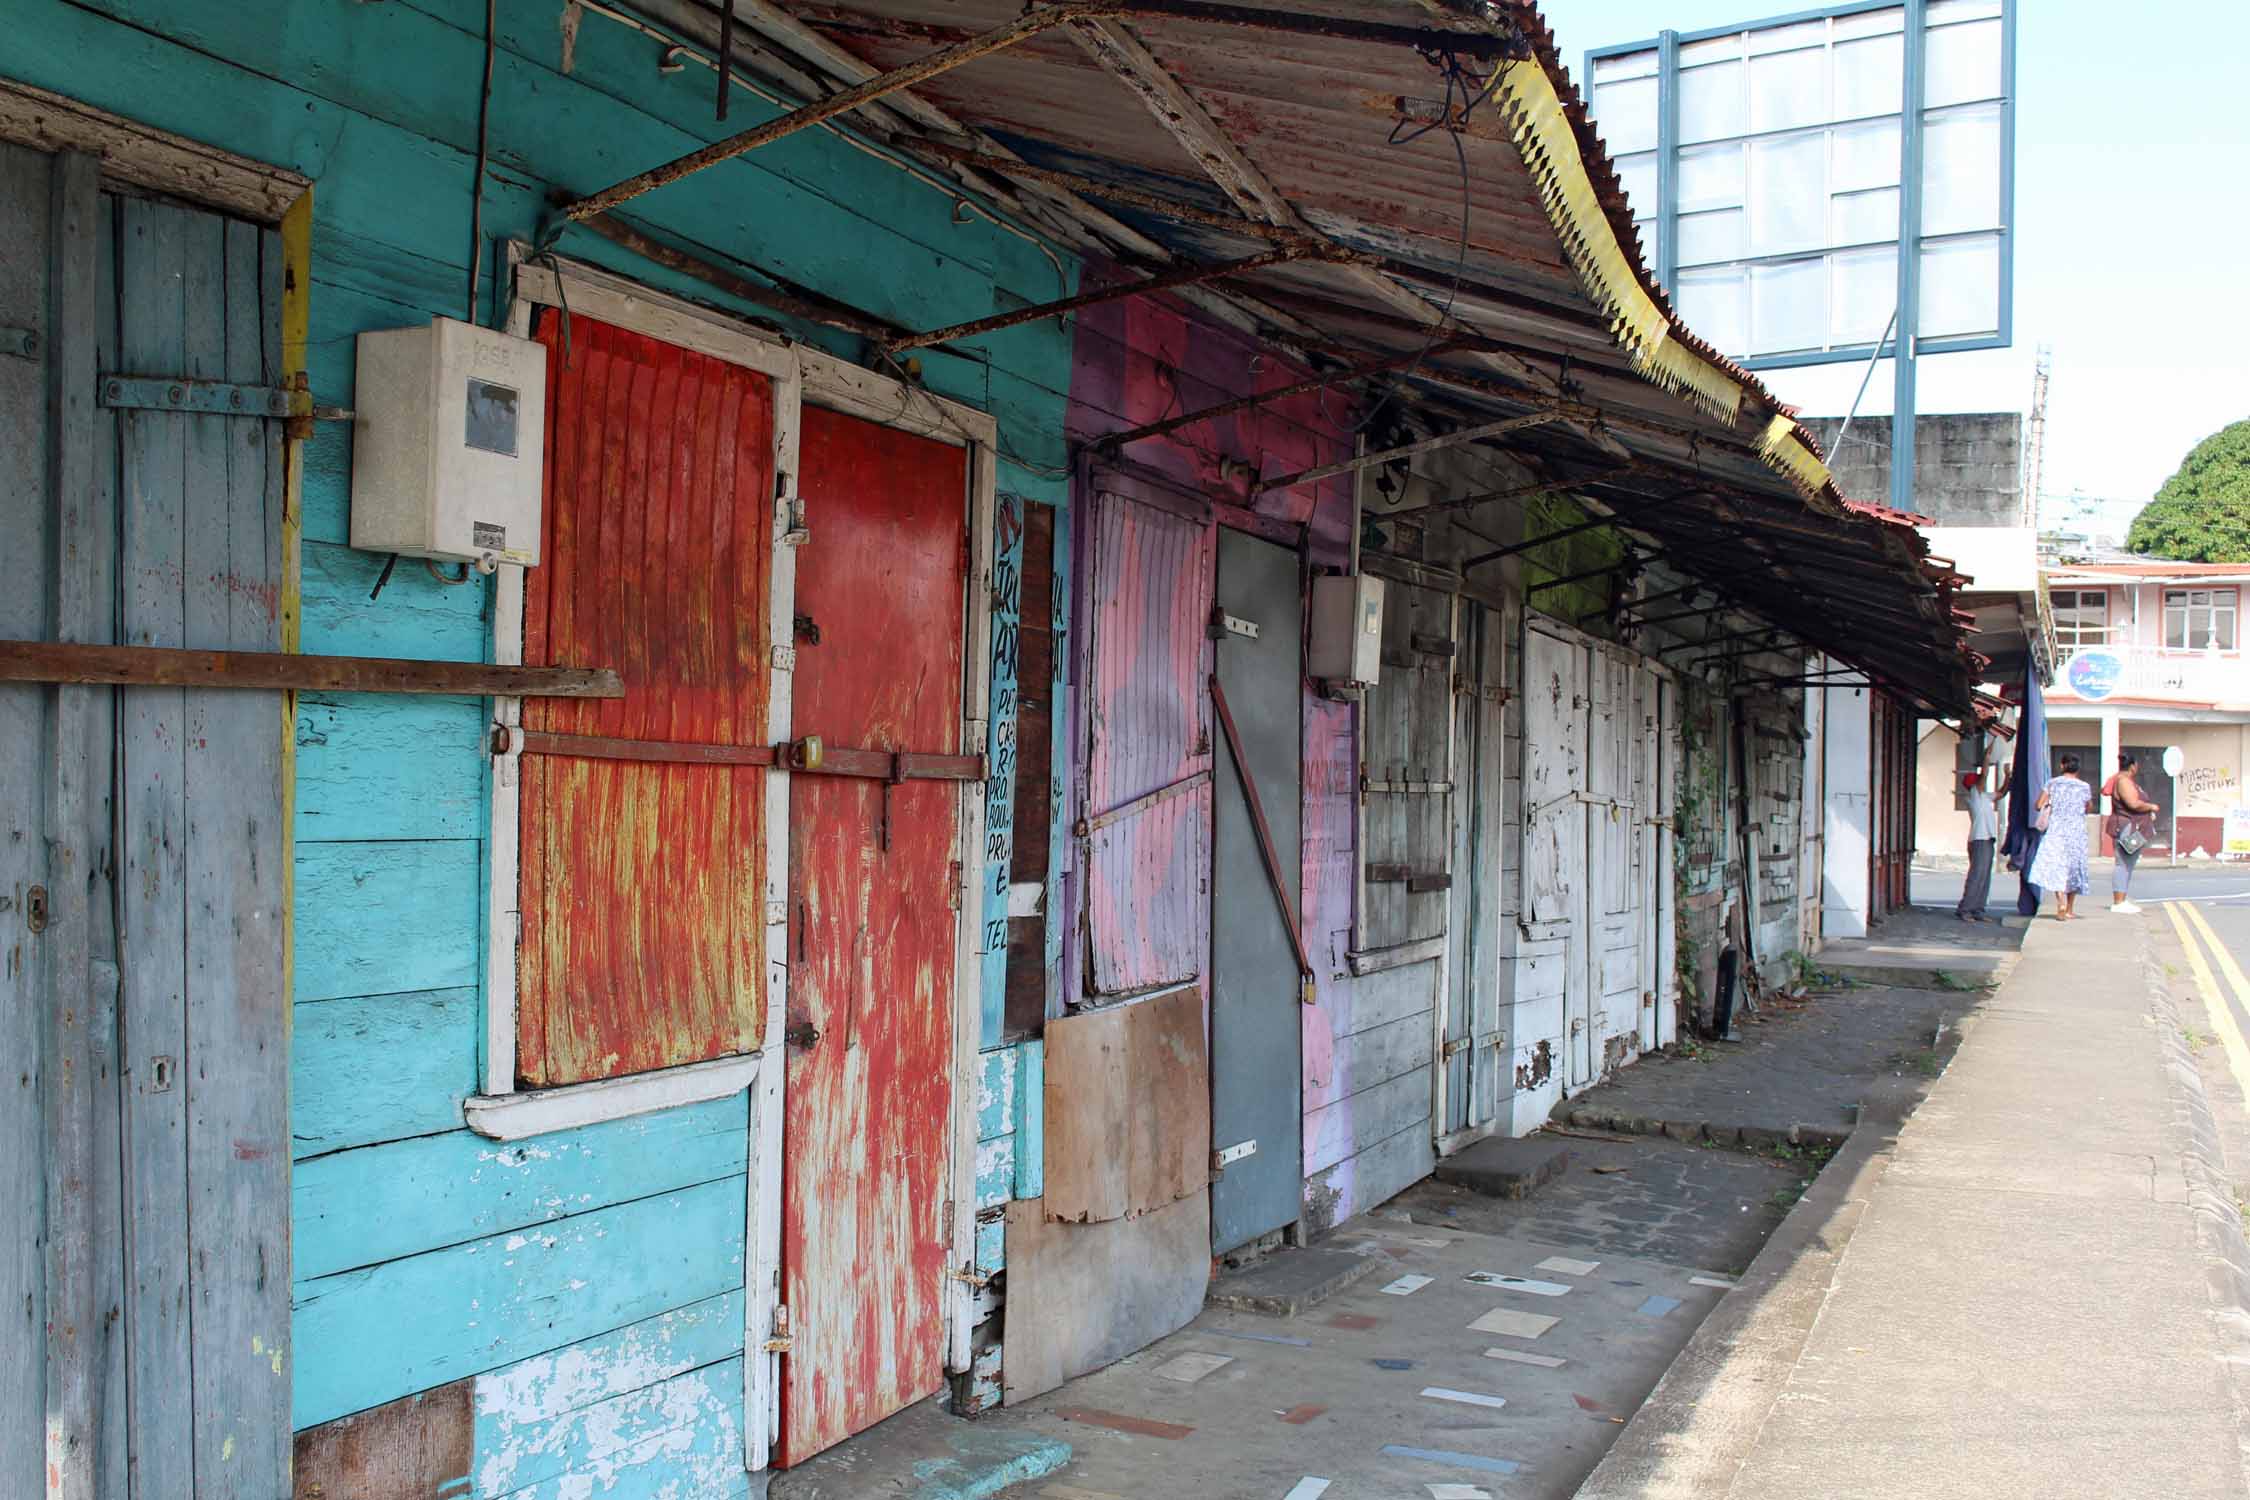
(2132, 245)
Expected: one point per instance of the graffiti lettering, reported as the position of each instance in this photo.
(2204, 781)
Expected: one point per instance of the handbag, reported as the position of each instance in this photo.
(2129, 839)
(2040, 816)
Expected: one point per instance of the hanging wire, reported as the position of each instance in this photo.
(1462, 90)
(484, 156)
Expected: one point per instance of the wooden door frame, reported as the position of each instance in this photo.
(801, 376)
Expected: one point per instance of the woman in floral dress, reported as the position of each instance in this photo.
(2060, 864)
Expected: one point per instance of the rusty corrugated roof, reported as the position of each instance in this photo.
(1327, 133)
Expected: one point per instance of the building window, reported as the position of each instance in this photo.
(2081, 618)
(2199, 619)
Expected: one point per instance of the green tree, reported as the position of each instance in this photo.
(2202, 513)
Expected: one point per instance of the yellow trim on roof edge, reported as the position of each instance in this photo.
(1549, 147)
(1781, 446)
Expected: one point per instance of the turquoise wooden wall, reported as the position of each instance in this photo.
(591, 1281)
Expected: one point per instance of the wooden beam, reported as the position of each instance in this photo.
(793, 302)
(166, 666)
(1427, 445)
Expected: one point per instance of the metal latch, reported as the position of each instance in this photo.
(21, 342)
(35, 908)
(779, 1343)
(1229, 1155)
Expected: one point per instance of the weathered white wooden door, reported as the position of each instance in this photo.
(1473, 1037)
(1551, 960)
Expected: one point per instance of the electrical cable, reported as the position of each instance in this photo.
(484, 156)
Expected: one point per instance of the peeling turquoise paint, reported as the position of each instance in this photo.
(985, 1463)
(425, 1254)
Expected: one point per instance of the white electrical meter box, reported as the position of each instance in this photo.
(449, 436)
(1347, 630)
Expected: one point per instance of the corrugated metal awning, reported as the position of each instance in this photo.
(1479, 234)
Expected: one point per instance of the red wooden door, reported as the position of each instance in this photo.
(641, 880)
(872, 932)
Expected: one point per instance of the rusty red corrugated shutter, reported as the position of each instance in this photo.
(641, 881)
(1148, 766)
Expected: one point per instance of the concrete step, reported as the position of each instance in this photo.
(1501, 1167)
(1288, 1282)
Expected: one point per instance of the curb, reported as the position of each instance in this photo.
(2211, 1202)
(1704, 1132)
(1691, 1435)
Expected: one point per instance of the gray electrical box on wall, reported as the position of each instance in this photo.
(1347, 630)
(449, 437)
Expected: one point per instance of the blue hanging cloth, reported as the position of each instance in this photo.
(2020, 846)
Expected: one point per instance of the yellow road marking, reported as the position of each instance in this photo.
(2222, 1015)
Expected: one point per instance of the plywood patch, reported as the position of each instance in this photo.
(406, 1450)
(1081, 1296)
(1128, 1107)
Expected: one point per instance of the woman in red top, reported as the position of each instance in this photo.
(2128, 809)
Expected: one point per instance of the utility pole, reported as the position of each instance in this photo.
(2038, 438)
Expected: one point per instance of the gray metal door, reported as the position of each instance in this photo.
(142, 1000)
(1256, 1051)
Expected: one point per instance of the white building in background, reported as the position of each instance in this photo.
(2152, 656)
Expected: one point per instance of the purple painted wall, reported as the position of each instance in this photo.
(1139, 362)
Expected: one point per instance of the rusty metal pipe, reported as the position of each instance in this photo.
(791, 302)
(1629, 560)
(1163, 281)
(1093, 187)
(944, 60)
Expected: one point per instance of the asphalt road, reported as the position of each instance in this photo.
(2214, 888)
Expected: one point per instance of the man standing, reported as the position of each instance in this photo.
(1983, 832)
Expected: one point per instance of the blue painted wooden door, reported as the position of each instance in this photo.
(151, 992)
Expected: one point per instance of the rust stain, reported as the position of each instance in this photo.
(871, 942)
(642, 881)
(1530, 1075)
(1120, 1422)
(1298, 1416)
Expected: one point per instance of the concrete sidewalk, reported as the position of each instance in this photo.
(2033, 1287)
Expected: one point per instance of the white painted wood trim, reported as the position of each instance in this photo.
(1375, 961)
(968, 997)
(762, 1289)
(136, 154)
(840, 385)
(609, 298)
(515, 1117)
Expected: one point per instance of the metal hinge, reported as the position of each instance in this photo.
(779, 1342)
(212, 397)
(1456, 1047)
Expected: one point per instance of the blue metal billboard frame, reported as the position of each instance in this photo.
(1666, 45)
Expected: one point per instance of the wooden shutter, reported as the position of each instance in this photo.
(641, 879)
(1406, 766)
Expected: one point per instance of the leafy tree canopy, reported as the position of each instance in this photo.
(2202, 513)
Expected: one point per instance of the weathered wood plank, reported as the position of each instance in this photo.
(1349, 1126)
(996, 1171)
(380, 919)
(688, 1426)
(1383, 1169)
(416, 1448)
(588, 1373)
(504, 1298)
(26, 568)
(153, 1020)
(237, 1145)
(1128, 1108)
(996, 1093)
(390, 768)
(370, 1068)
(378, 1203)
(204, 668)
(1031, 1118)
